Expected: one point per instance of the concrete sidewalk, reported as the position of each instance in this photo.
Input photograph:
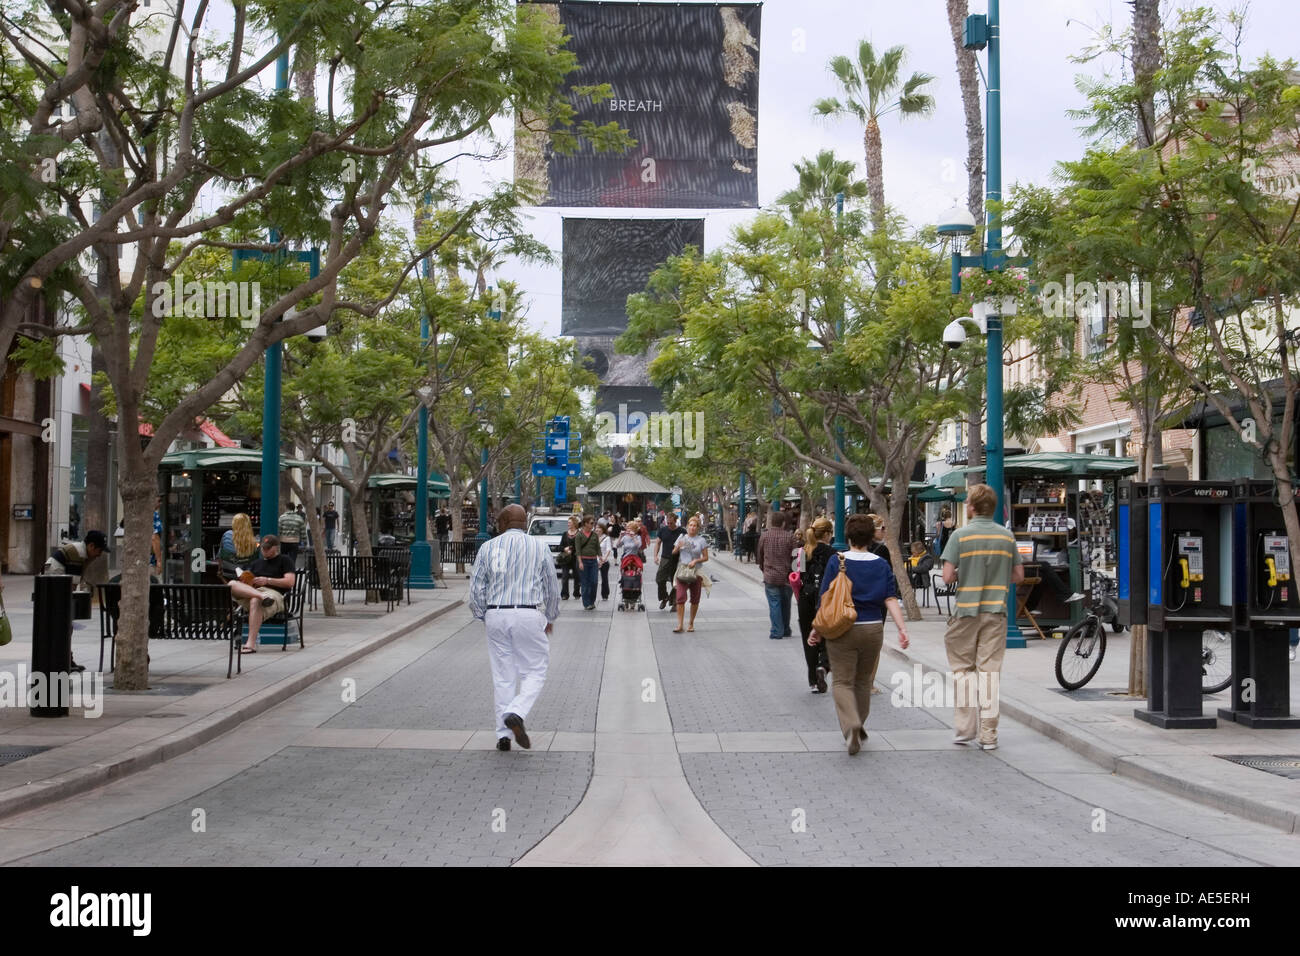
(1097, 721)
(190, 701)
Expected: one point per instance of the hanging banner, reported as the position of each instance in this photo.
(685, 86)
(606, 260)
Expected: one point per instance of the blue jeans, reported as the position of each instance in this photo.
(778, 608)
(589, 575)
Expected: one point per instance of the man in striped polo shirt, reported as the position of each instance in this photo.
(982, 558)
(514, 593)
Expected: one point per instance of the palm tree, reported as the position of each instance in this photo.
(819, 181)
(869, 87)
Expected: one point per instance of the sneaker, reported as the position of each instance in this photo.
(992, 746)
(963, 740)
(1076, 596)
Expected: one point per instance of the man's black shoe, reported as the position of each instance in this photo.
(516, 725)
(503, 743)
(74, 666)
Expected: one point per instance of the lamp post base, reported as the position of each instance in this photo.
(421, 574)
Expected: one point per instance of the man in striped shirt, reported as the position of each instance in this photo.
(982, 557)
(514, 593)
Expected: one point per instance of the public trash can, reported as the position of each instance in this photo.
(51, 645)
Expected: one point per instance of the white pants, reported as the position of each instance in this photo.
(519, 651)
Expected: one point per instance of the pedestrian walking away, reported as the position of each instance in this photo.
(692, 551)
(817, 551)
(855, 654)
(774, 550)
(587, 546)
(514, 593)
(293, 526)
(666, 560)
(982, 559)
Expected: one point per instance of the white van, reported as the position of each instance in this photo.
(550, 528)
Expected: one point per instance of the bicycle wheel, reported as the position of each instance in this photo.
(1080, 653)
(1216, 661)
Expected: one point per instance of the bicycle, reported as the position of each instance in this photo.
(1080, 655)
(1084, 645)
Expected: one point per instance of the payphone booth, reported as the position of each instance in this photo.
(1267, 608)
(1189, 541)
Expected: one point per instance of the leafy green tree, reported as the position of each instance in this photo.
(153, 138)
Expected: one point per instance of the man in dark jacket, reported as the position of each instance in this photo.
(775, 550)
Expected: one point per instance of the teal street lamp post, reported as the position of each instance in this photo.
(483, 500)
(421, 577)
(741, 514)
(269, 516)
(982, 31)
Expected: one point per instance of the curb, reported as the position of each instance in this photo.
(203, 730)
(1123, 763)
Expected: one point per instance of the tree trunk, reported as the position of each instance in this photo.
(360, 522)
(317, 528)
(97, 507)
(875, 174)
(1146, 61)
(893, 540)
(970, 101)
(138, 485)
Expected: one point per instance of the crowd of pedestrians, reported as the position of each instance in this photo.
(842, 635)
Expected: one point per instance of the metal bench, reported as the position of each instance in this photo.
(177, 612)
(945, 591)
(373, 574)
(294, 601)
(400, 559)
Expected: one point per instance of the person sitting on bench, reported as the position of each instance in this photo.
(263, 596)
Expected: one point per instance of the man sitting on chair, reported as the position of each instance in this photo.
(263, 596)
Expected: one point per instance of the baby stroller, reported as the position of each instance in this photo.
(630, 569)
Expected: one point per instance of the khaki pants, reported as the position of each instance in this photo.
(975, 648)
(854, 657)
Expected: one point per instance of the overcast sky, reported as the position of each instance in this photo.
(923, 158)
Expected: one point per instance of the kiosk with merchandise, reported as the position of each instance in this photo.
(202, 491)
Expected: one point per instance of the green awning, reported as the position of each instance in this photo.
(851, 487)
(238, 459)
(1061, 463)
(941, 494)
(437, 483)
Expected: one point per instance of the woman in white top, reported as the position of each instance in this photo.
(606, 559)
(692, 551)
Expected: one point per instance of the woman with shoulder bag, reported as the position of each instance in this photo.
(692, 551)
(816, 552)
(855, 653)
(567, 562)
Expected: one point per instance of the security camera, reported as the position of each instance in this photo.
(954, 335)
(318, 334)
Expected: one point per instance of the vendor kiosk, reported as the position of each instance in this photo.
(202, 491)
(1267, 608)
(392, 504)
(1062, 508)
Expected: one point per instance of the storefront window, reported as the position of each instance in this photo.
(1228, 457)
